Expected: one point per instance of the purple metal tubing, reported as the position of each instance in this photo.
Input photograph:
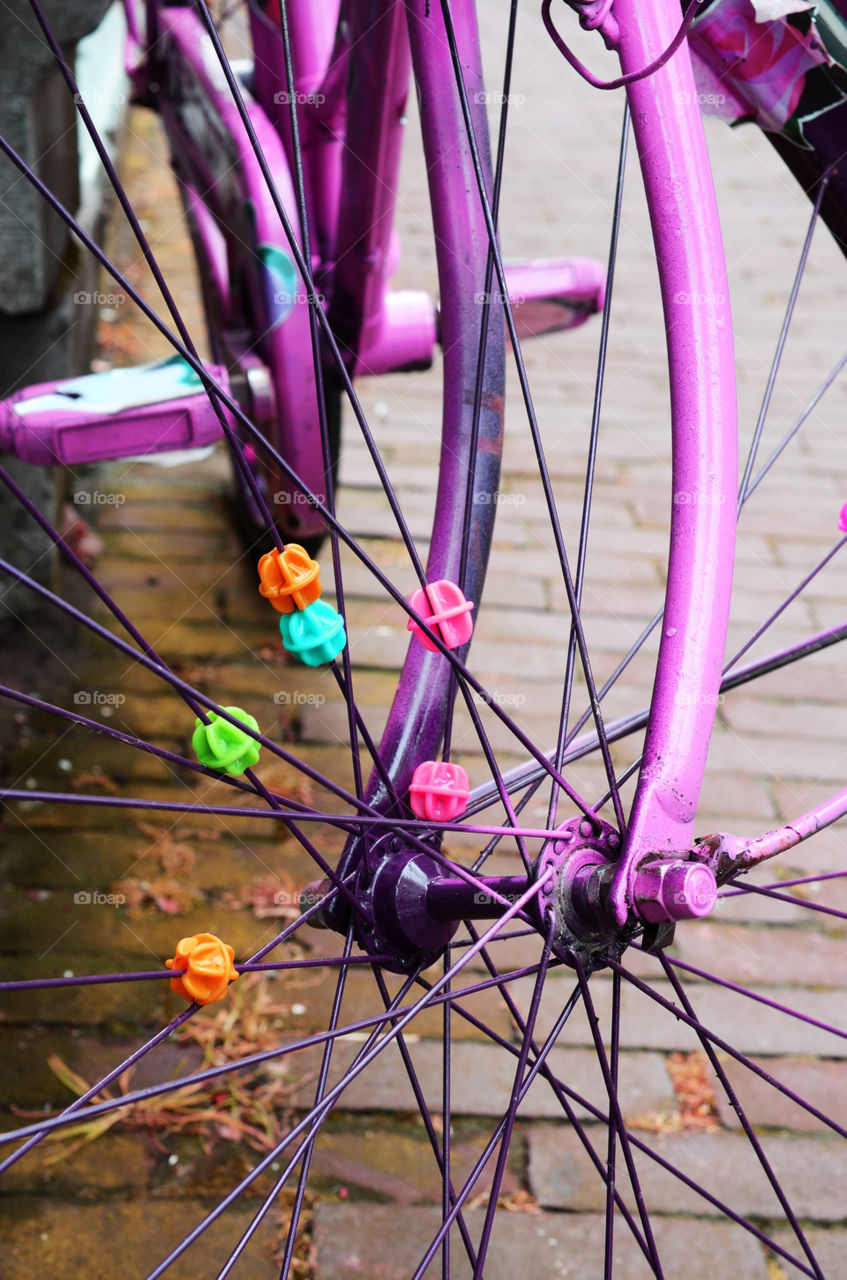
(695, 298)
(320, 46)
(194, 99)
(416, 722)
(365, 253)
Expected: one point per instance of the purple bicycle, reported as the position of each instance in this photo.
(491, 888)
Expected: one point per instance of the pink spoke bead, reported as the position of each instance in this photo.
(446, 611)
(439, 791)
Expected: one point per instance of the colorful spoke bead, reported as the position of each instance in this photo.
(221, 745)
(205, 968)
(842, 519)
(446, 611)
(439, 791)
(315, 634)
(289, 579)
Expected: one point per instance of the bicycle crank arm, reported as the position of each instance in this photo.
(153, 408)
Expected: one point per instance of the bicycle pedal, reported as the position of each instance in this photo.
(150, 409)
(551, 294)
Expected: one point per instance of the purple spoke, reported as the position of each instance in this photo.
(261, 442)
(745, 1123)
(69, 1114)
(236, 448)
(94, 979)
(614, 1065)
(304, 267)
(564, 1092)
(531, 416)
(791, 433)
(599, 380)
(73, 559)
(440, 1153)
(497, 775)
(698, 1028)
(784, 884)
(787, 897)
(408, 826)
(446, 1110)
(794, 594)
(743, 491)
(430, 997)
(495, 1137)
(317, 1115)
(314, 1120)
(514, 1097)
(616, 1117)
(560, 1096)
(294, 1221)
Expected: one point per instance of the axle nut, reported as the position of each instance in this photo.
(668, 891)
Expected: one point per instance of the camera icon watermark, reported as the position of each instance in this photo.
(499, 499)
(481, 297)
(83, 298)
(90, 99)
(298, 698)
(492, 99)
(98, 498)
(95, 898)
(687, 99)
(96, 698)
(285, 499)
(686, 498)
(684, 299)
(285, 299)
(284, 98)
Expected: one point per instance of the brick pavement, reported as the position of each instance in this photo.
(173, 560)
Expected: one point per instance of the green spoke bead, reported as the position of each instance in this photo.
(221, 745)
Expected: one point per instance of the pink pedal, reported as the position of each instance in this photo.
(445, 610)
(550, 294)
(439, 791)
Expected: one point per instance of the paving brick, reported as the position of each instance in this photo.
(829, 1248)
(387, 1242)
(483, 1076)
(753, 956)
(821, 1084)
(43, 1235)
(810, 1171)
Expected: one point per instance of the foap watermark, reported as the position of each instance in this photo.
(296, 499)
(683, 299)
(690, 498)
(283, 298)
(683, 699)
(284, 98)
(85, 298)
(96, 698)
(298, 698)
(98, 498)
(494, 99)
(499, 499)
(516, 299)
(688, 99)
(483, 899)
(95, 898)
(500, 699)
(299, 899)
(95, 99)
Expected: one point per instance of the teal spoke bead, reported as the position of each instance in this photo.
(315, 634)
